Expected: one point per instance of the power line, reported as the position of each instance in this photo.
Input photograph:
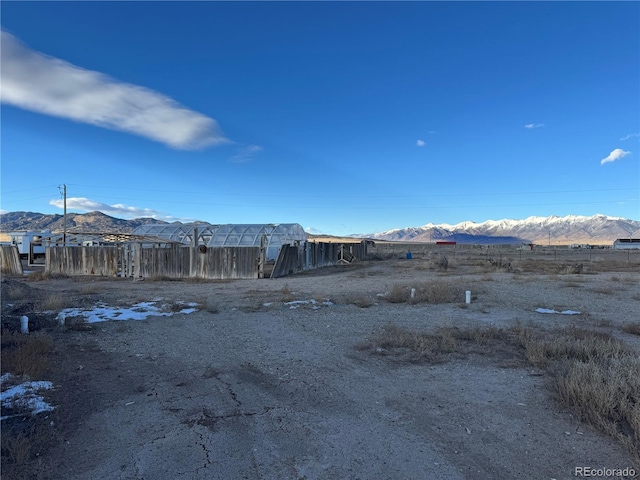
(25, 199)
(286, 195)
(28, 189)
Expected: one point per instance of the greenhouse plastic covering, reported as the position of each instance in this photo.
(232, 235)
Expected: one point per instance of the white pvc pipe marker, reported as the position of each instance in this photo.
(24, 324)
(413, 293)
(468, 296)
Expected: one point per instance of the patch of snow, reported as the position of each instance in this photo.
(564, 312)
(24, 397)
(102, 312)
(267, 304)
(328, 303)
(301, 302)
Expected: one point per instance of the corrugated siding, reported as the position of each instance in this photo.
(10, 260)
(309, 256)
(288, 262)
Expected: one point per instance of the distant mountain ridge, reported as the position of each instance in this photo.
(595, 230)
(92, 222)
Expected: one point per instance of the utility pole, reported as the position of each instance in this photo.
(64, 235)
(64, 220)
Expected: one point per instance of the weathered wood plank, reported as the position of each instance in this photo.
(10, 260)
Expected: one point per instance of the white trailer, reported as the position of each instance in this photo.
(29, 243)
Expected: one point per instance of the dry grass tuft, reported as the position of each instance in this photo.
(23, 443)
(89, 289)
(17, 293)
(53, 301)
(434, 292)
(399, 293)
(632, 328)
(628, 280)
(602, 290)
(38, 276)
(411, 346)
(78, 324)
(359, 301)
(42, 275)
(287, 295)
(159, 278)
(571, 343)
(17, 448)
(174, 307)
(26, 354)
(605, 392)
(206, 280)
(591, 372)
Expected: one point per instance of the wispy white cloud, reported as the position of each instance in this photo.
(40, 83)
(616, 154)
(246, 154)
(630, 135)
(421, 143)
(534, 125)
(117, 210)
(312, 230)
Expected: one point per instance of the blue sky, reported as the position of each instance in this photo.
(345, 117)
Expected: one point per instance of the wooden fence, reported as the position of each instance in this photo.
(171, 261)
(102, 261)
(180, 261)
(10, 260)
(309, 256)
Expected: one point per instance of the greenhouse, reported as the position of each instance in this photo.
(233, 235)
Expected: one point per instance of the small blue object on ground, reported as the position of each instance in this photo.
(408, 255)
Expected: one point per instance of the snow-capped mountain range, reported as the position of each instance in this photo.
(594, 230)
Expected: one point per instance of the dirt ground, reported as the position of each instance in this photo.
(248, 387)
